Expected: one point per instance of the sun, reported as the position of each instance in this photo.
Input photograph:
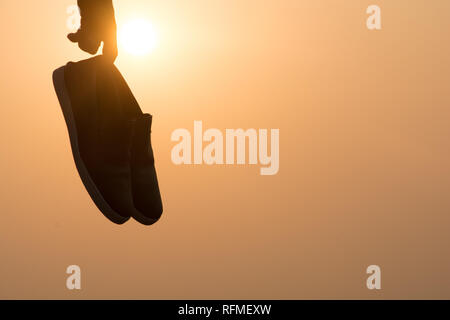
(138, 37)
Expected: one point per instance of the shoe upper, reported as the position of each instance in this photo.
(104, 136)
(144, 182)
(109, 166)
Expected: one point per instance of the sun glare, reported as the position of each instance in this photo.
(138, 37)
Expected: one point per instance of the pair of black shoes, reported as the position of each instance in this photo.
(110, 139)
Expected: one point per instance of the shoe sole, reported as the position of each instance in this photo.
(66, 107)
(139, 217)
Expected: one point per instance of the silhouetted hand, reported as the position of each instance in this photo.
(98, 24)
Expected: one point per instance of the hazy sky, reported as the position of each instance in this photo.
(364, 158)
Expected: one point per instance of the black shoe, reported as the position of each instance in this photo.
(144, 182)
(100, 139)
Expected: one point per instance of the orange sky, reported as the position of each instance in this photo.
(364, 161)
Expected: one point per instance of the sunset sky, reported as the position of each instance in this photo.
(364, 168)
